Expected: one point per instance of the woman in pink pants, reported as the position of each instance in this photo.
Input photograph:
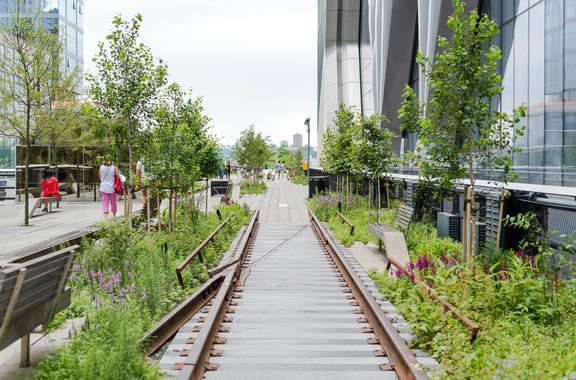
(107, 174)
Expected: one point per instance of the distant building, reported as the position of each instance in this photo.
(283, 143)
(367, 54)
(297, 140)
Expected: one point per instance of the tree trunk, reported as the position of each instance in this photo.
(170, 209)
(148, 211)
(387, 193)
(379, 202)
(347, 192)
(369, 198)
(500, 216)
(466, 226)
(128, 193)
(207, 197)
(473, 237)
(175, 213)
(193, 198)
(27, 176)
(158, 204)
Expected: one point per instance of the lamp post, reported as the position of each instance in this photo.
(307, 124)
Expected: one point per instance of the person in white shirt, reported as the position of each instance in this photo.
(107, 173)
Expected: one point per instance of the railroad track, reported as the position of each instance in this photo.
(285, 304)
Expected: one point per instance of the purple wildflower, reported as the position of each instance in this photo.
(126, 264)
(73, 277)
(132, 288)
(520, 254)
(422, 263)
(75, 268)
(129, 275)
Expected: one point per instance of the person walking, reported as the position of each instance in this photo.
(107, 174)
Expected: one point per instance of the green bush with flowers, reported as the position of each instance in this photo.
(122, 284)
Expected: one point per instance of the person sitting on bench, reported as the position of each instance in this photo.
(49, 188)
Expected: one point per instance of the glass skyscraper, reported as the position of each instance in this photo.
(66, 17)
(538, 42)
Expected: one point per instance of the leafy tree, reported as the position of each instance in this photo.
(460, 135)
(179, 148)
(375, 150)
(252, 150)
(127, 83)
(32, 81)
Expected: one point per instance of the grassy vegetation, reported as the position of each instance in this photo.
(253, 188)
(299, 180)
(326, 206)
(526, 317)
(124, 283)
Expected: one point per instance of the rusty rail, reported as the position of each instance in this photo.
(198, 252)
(171, 323)
(464, 320)
(195, 363)
(401, 358)
(348, 222)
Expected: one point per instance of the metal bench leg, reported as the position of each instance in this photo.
(25, 351)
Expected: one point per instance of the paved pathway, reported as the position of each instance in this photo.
(71, 216)
(284, 202)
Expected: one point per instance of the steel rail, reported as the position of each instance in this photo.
(197, 360)
(400, 356)
(171, 323)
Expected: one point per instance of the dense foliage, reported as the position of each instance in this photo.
(459, 134)
(127, 84)
(525, 310)
(357, 146)
(252, 150)
(253, 188)
(122, 284)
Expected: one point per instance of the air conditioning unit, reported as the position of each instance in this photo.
(448, 225)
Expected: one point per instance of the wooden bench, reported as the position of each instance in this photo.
(394, 243)
(40, 201)
(345, 220)
(35, 191)
(31, 293)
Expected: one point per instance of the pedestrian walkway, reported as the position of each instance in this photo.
(284, 202)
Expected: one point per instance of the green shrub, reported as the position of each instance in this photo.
(516, 336)
(253, 188)
(122, 284)
(299, 180)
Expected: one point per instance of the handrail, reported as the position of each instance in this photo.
(398, 352)
(198, 252)
(345, 220)
(464, 320)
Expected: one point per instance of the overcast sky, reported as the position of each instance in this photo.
(253, 61)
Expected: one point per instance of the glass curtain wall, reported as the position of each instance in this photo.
(538, 42)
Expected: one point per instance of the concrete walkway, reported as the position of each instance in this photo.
(71, 216)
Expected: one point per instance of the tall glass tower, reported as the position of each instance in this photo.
(63, 16)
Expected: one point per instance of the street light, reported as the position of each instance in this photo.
(307, 124)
